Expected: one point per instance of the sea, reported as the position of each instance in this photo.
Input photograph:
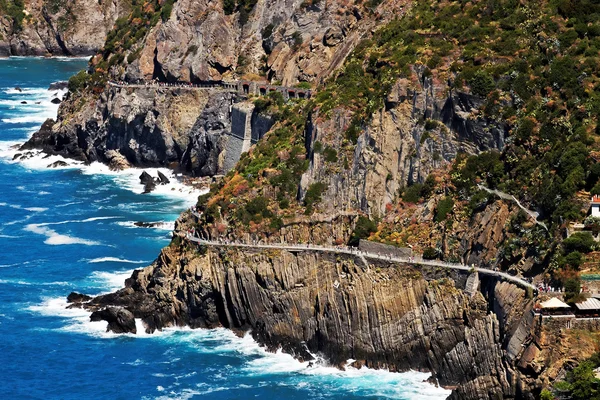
(73, 228)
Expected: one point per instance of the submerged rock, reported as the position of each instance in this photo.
(57, 164)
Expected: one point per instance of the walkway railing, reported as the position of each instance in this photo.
(350, 251)
(242, 87)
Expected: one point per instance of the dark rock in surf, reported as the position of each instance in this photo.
(163, 179)
(57, 164)
(141, 224)
(56, 100)
(60, 85)
(75, 297)
(148, 181)
(119, 319)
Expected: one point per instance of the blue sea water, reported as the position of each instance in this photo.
(71, 229)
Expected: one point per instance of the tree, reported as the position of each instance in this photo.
(574, 259)
(572, 290)
(584, 384)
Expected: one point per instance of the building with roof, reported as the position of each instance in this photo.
(595, 205)
(590, 308)
(555, 306)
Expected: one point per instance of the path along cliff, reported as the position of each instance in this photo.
(307, 301)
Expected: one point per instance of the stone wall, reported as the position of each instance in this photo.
(384, 249)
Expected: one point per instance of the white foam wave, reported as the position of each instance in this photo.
(30, 119)
(257, 361)
(54, 238)
(129, 179)
(18, 207)
(36, 209)
(25, 91)
(110, 281)
(163, 225)
(27, 283)
(76, 221)
(260, 363)
(115, 259)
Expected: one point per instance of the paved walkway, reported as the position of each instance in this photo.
(241, 87)
(506, 196)
(343, 250)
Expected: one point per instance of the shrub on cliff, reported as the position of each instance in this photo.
(79, 81)
(167, 8)
(363, 229)
(443, 209)
(14, 10)
(430, 253)
(313, 195)
(582, 242)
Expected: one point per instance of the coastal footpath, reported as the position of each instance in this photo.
(390, 315)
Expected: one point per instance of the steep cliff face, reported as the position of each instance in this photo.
(284, 41)
(289, 40)
(57, 27)
(423, 126)
(383, 316)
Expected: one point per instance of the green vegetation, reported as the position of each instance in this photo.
(443, 208)
(79, 81)
(255, 210)
(167, 7)
(296, 40)
(573, 290)
(244, 7)
(538, 68)
(582, 242)
(313, 195)
(581, 383)
(363, 229)
(14, 10)
(330, 154)
(430, 253)
(416, 191)
(126, 33)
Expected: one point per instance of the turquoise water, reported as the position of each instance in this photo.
(71, 229)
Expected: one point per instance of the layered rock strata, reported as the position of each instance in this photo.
(384, 316)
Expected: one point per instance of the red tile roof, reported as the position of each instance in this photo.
(596, 199)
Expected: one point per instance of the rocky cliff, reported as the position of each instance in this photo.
(57, 27)
(383, 316)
